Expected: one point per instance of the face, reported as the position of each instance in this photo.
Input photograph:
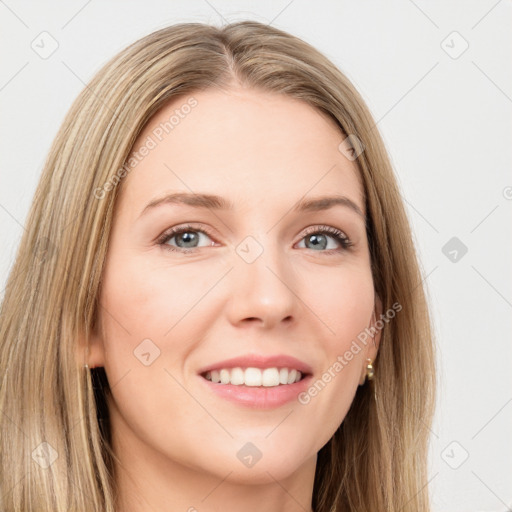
(190, 285)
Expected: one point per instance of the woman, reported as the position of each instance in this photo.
(216, 302)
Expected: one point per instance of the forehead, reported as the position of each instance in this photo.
(250, 146)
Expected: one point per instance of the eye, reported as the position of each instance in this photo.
(317, 237)
(187, 238)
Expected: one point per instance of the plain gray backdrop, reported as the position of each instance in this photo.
(435, 77)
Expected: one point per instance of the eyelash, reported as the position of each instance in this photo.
(340, 237)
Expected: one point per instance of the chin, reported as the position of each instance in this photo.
(276, 467)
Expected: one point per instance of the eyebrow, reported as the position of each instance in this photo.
(215, 202)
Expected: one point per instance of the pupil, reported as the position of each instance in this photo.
(187, 237)
(318, 239)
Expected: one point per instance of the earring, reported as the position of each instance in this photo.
(370, 373)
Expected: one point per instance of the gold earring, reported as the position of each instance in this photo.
(370, 373)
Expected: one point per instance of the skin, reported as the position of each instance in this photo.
(175, 440)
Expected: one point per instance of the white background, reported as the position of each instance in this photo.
(445, 119)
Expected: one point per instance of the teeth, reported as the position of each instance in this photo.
(224, 376)
(254, 377)
(270, 377)
(237, 376)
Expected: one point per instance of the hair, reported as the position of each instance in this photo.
(377, 458)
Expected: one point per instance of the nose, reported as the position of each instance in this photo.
(263, 290)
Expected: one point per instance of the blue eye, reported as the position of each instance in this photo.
(188, 237)
(318, 236)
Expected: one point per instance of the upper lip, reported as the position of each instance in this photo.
(260, 361)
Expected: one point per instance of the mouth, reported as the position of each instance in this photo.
(255, 377)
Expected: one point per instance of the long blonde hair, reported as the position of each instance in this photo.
(55, 442)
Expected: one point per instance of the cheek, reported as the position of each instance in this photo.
(344, 309)
(147, 336)
(153, 318)
(142, 300)
(342, 301)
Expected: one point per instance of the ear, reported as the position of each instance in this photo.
(373, 343)
(91, 351)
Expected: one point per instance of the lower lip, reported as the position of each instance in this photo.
(259, 397)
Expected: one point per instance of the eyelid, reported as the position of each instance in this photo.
(176, 230)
